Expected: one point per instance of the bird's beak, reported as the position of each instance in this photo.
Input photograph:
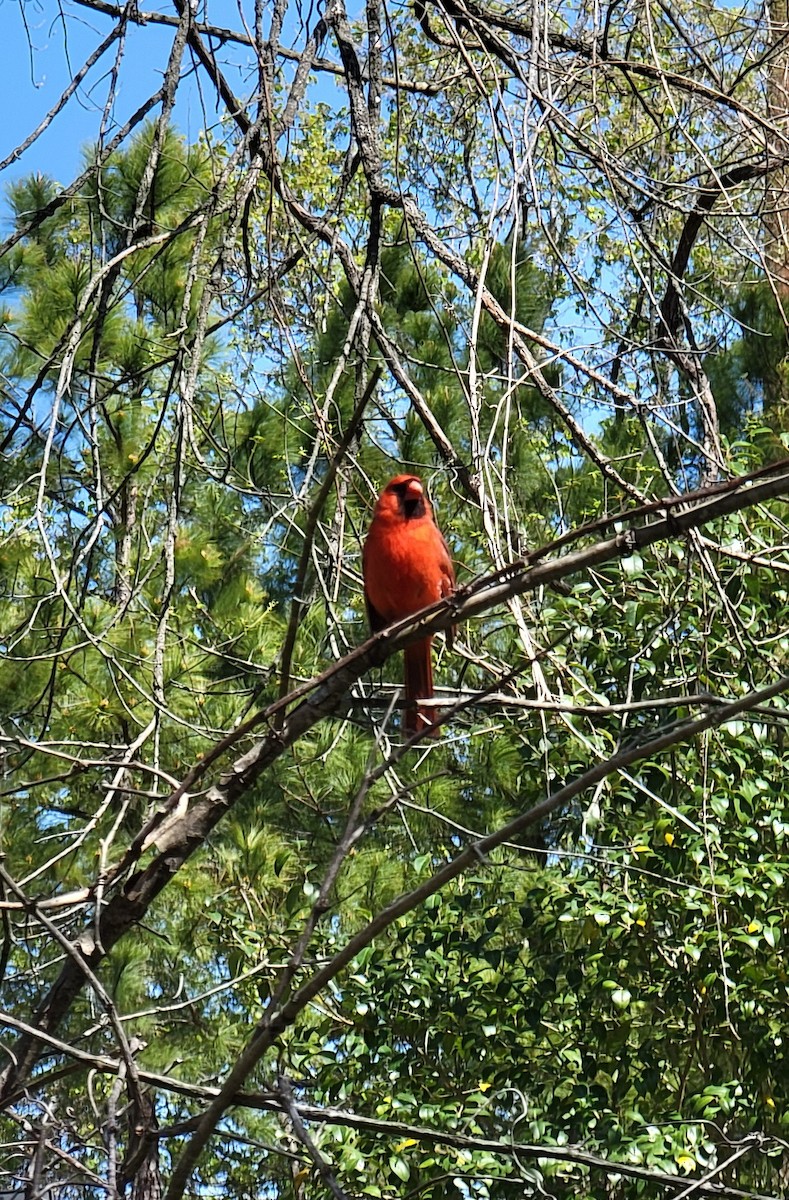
(414, 491)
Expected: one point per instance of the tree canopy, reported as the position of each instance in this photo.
(256, 943)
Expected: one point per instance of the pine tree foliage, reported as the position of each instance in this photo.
(253, 942)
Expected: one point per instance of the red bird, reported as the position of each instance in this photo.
(406, 566)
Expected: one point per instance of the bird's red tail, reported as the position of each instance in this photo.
(418, 686)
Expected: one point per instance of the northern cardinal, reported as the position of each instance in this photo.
(406, 566)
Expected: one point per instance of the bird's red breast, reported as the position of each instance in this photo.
(406, 566)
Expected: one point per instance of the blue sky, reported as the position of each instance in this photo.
(32, 80)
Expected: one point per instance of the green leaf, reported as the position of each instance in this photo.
(399, 1167)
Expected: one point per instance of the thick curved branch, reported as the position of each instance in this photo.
(274, 1023)
(185, 823)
